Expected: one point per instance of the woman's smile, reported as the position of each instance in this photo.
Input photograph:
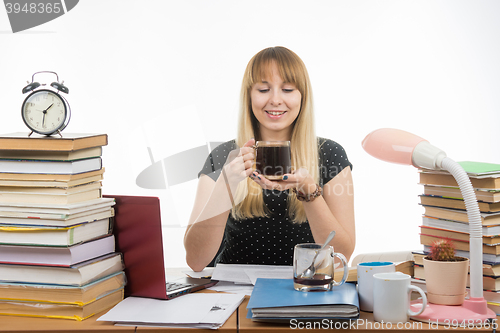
(275, 114)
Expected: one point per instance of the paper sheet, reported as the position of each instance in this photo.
(205, 273)
(191, 310)
(248, 274)
(231, 287)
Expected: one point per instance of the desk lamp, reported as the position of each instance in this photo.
(397, 146)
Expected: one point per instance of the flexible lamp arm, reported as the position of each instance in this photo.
(397, 146)
(475, 225)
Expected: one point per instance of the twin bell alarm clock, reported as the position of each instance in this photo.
(45, 111)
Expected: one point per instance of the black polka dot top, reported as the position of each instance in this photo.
(270, 240)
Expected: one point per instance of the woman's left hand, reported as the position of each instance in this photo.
(299, 179)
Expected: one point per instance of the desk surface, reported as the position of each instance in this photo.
(236, 323)
(14, 324)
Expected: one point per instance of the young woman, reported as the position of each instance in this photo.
(241, 217)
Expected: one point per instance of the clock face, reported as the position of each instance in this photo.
(44, 111)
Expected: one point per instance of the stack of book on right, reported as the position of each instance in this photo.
(57, 250)
(445, 216)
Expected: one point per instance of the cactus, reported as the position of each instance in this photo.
(443, 250)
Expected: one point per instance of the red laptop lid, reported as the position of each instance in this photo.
(138, 234)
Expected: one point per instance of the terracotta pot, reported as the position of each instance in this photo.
(446, 281)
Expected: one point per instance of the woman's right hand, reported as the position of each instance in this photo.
(240, 163)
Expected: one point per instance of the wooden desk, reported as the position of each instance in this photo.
(236, 323)
(13, 324)
(28, 325)
(364, 323)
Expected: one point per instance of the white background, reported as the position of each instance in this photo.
(167, 74)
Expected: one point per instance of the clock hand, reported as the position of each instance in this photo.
(45, 112)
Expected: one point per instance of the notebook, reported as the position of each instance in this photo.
(138, 234)
(276, 300)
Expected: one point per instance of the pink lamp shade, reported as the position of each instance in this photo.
(391, 145)
(397, 146)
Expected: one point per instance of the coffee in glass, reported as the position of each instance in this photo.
(273, 159)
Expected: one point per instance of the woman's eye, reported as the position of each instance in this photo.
(263, 90)
(288, 90)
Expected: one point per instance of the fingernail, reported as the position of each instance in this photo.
(285, 177)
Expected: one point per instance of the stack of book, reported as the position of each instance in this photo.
(445, 217)
(57, 250)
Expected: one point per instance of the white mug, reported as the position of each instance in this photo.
(391, 297)
(365, 271)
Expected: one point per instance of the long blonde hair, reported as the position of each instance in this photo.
(304, 145)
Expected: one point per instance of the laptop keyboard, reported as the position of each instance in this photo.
(172, 286)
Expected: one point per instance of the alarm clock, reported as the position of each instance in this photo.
(45, 111)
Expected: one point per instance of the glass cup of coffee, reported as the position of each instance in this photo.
(313, 268)
(273, 159)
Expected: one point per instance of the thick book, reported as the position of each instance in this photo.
(52, 190)
(51, 155)
(62, 294)
(58, 220)
(76, 275)
(460, 236)
(473, 169)
(49, 184)
(61, 310)
(273, 299)
(488, 269)
(485, 195)
(56, 255)
(490, 283)
(436, 201)
(429, 178)
(51, 167)
(488, 258)
(460, 215)
(68, 141)
(53, 236)
(49, 177)
(51, 199)
(488, 230)
(460, 244)
(53, 211)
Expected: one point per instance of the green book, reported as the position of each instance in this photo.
(480, 168)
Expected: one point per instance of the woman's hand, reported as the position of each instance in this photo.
(299, 179)
(240, 163)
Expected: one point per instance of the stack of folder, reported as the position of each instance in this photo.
(277, 300)
(57, 251)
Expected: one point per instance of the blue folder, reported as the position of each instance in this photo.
(272, 293)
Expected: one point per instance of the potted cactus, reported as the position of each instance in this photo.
(445, 274)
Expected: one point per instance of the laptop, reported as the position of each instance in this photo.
(138, 234)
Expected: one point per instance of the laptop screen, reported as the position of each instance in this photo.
(138, 234)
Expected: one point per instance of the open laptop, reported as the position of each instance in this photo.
(138, 234)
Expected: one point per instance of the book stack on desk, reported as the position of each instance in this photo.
(445, 217)
(57, 252)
